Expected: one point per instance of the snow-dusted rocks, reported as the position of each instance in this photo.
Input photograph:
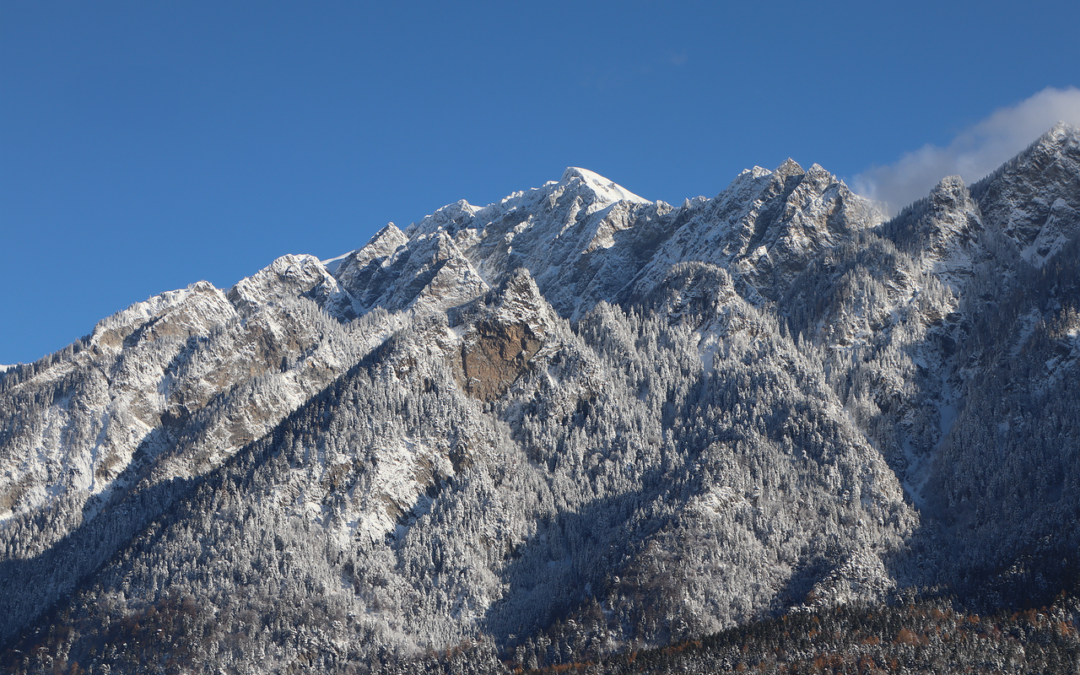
(1018, 197)
(501, 335)
(428, 272)
(159, 393)
(573, 407)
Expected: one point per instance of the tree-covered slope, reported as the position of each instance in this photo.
(572, 425)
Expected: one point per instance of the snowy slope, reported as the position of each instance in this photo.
(572, 407)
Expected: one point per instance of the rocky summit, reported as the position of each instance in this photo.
(571, 427)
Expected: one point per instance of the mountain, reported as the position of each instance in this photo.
(558, 428)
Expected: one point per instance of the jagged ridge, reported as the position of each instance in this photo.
(573, 404)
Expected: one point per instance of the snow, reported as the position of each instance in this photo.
(141, 312)
(603, 187)
(1059, 226)
(709, 349)
(570, 243)
(395, 475)
(920, 465)
(277, 279)
(1027, 326)
(332, 264)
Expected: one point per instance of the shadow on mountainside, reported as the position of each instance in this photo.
(30, 587)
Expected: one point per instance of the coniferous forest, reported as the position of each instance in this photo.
(774, 431)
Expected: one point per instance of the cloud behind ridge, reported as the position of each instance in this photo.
(974, 153)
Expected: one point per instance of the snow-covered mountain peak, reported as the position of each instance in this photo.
(820, 175)
(642, 422)
(953, 225)
(288, 276)
(1061, 141)
(382, 244)
(1013, 197)
(604, 189)
(1061, 131)
(949, 187)
(756, 172)
(519, 300)
(578, 193)
(450, 218)
(200, 305)
(789, 168)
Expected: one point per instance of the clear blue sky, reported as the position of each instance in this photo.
(148, 145)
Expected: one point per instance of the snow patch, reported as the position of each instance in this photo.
(709, 348)
(607, 190)
(1027, 326)
(332, 264)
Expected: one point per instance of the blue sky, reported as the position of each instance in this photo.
(146, 146)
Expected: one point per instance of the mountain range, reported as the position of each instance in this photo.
(562, 428)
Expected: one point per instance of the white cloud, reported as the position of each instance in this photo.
(972, 154)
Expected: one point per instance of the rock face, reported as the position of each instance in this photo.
(559, 426)
(495, 357)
